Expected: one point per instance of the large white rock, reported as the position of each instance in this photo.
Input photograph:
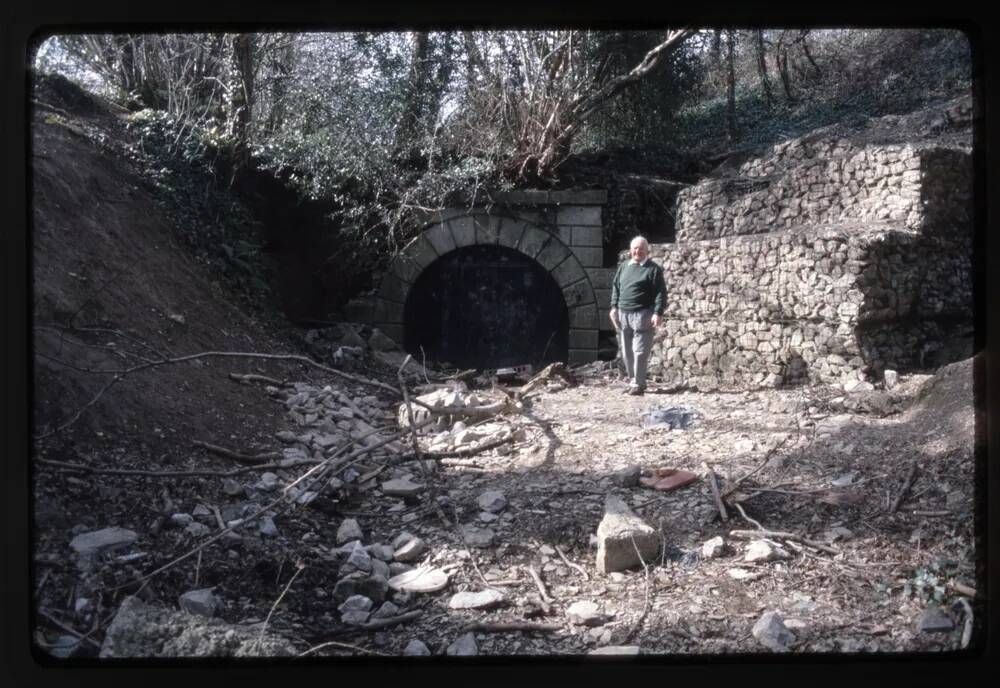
(764, 550)
(401, 487)
(201, 602)
(770, 631)
(104, 540)
(464, 646)
(492, 501)
(586, 613)
(622, 537)
(476, 600)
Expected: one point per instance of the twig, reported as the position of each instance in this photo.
(236, 456)
(767, 457)
(508, 626)
(579, 568)
(197, 569)
(962, 588)
(715, 491)
(218, 517)
(346, 646)
(747, 518)
(780, 535)
(931, 513)
(906, 488)
(546, 600)
(263, 628)
(431, 488)
(250, 377)
(69, 629)
(62, 465)
(647, 605)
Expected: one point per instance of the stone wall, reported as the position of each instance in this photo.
(923, 188)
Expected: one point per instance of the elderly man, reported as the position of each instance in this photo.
(638, 297)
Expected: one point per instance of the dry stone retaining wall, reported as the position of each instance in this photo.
(923, 188)
(805, 304)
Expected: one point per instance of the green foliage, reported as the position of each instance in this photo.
(181, 165)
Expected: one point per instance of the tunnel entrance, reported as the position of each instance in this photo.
(486, 306)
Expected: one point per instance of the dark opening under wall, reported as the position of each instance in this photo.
(486, 307)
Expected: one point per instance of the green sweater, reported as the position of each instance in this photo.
(639, 286)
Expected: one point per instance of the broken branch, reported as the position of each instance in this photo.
(508, 626)
(780, 535)
(715, 491)
(906, 488)
(236, 456)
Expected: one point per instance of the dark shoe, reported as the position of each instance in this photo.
(636, 391)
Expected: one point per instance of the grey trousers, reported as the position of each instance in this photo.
(636, 341)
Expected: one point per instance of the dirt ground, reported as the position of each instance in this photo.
(114, 291)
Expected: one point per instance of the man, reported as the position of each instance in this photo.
(638, 297)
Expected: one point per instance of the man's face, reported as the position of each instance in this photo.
(639, 250)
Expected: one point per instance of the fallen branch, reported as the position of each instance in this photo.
(250, 377)
(508, 627)
(346, 646)
(781, 535)
(456, 454)
(579, 568)
(62, 465)
(715, 491)
(547, 373)
(767, 457)
(69, 629)
(546, 600)
(431, 487)
(906, 488)
(236, 456)
(755, 524)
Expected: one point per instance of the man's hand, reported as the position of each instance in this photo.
(656, 320)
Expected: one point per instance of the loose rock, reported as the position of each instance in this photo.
(483, 599)
(492, 501)
(585, 613)
(477, 537)
(411, 550)
(101, 541)
(464, 646)
(349, 530)
(416, 648)
(620, 533)
(764, 550)
(771, 632)
(201, 602)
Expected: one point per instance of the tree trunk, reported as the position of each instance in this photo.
(781, 62)
(730, 89)
(407, 130)
(241, 99)
(762, 67)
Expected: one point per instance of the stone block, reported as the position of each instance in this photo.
(579, 215)
(393, 289)
(533, 241)
(510, 232)
(487, 228)
(463, 229)
(566, 235)
(440, 238)
(392, 330)
(586, 236)
(421, 251)
(600, 278)
(583, 339)
(589, 257)
(553, 253)
(577, 356)
(568, 271)
(603, 297)
(622, 537)
(578, 294)
(584, 317)
(387, 311)
(405, 268)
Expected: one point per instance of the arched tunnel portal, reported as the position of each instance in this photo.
(486, 306)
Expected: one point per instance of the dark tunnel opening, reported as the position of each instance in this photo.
(486, 307)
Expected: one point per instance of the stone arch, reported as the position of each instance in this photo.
(528, 238)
